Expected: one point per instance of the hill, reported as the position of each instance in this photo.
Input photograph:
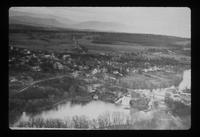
(46, 20)
(61, 39)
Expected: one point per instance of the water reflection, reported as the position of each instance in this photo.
(92, 110)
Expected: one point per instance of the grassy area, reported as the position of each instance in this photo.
(153, 80)
(141, 39)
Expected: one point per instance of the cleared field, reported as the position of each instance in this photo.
(151, 80)
(141, 39)
(120, 46)
(59, 40)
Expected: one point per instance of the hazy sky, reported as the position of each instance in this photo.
(154, 20)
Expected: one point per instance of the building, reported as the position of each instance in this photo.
(93, 87)
(94, 71)
(13, 79)
(36, 68)
(95, 97)
(125, 100)
(65, 56)
(47, 56)
(58, 65)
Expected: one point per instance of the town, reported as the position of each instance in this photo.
(81, 75)
(46, 78)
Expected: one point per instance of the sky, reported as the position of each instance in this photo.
(173, 21)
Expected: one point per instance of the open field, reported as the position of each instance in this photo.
(47, 38)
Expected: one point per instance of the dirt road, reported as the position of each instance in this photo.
(38, 81)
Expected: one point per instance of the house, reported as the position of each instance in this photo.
(91, 89)
(34, 56)
(125, 100)
(11, 47)
(36, 68)
(127, 70)
(13, 79)
(75, 74)
(47, 56)
(58, 65)
(27, 51)
(112, 78)
(55, 58)
(95, 97)
(115, 72)
(65, 56)
(94, 71)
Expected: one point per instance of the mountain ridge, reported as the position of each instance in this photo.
(26, 18)
(52, 21)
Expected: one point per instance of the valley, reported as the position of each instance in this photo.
(133, 81)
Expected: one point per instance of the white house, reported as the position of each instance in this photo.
(58, 65)
(125, 100)
(95, 97)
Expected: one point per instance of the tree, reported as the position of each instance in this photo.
(46, 66)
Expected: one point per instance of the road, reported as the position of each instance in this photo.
(38, 81)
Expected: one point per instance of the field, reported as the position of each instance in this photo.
(19, 35)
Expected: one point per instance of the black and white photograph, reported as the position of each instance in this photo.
(99, 68)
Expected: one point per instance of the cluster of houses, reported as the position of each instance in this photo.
(35, 59)
(109, 66)
(155, 68)
(108, 69)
